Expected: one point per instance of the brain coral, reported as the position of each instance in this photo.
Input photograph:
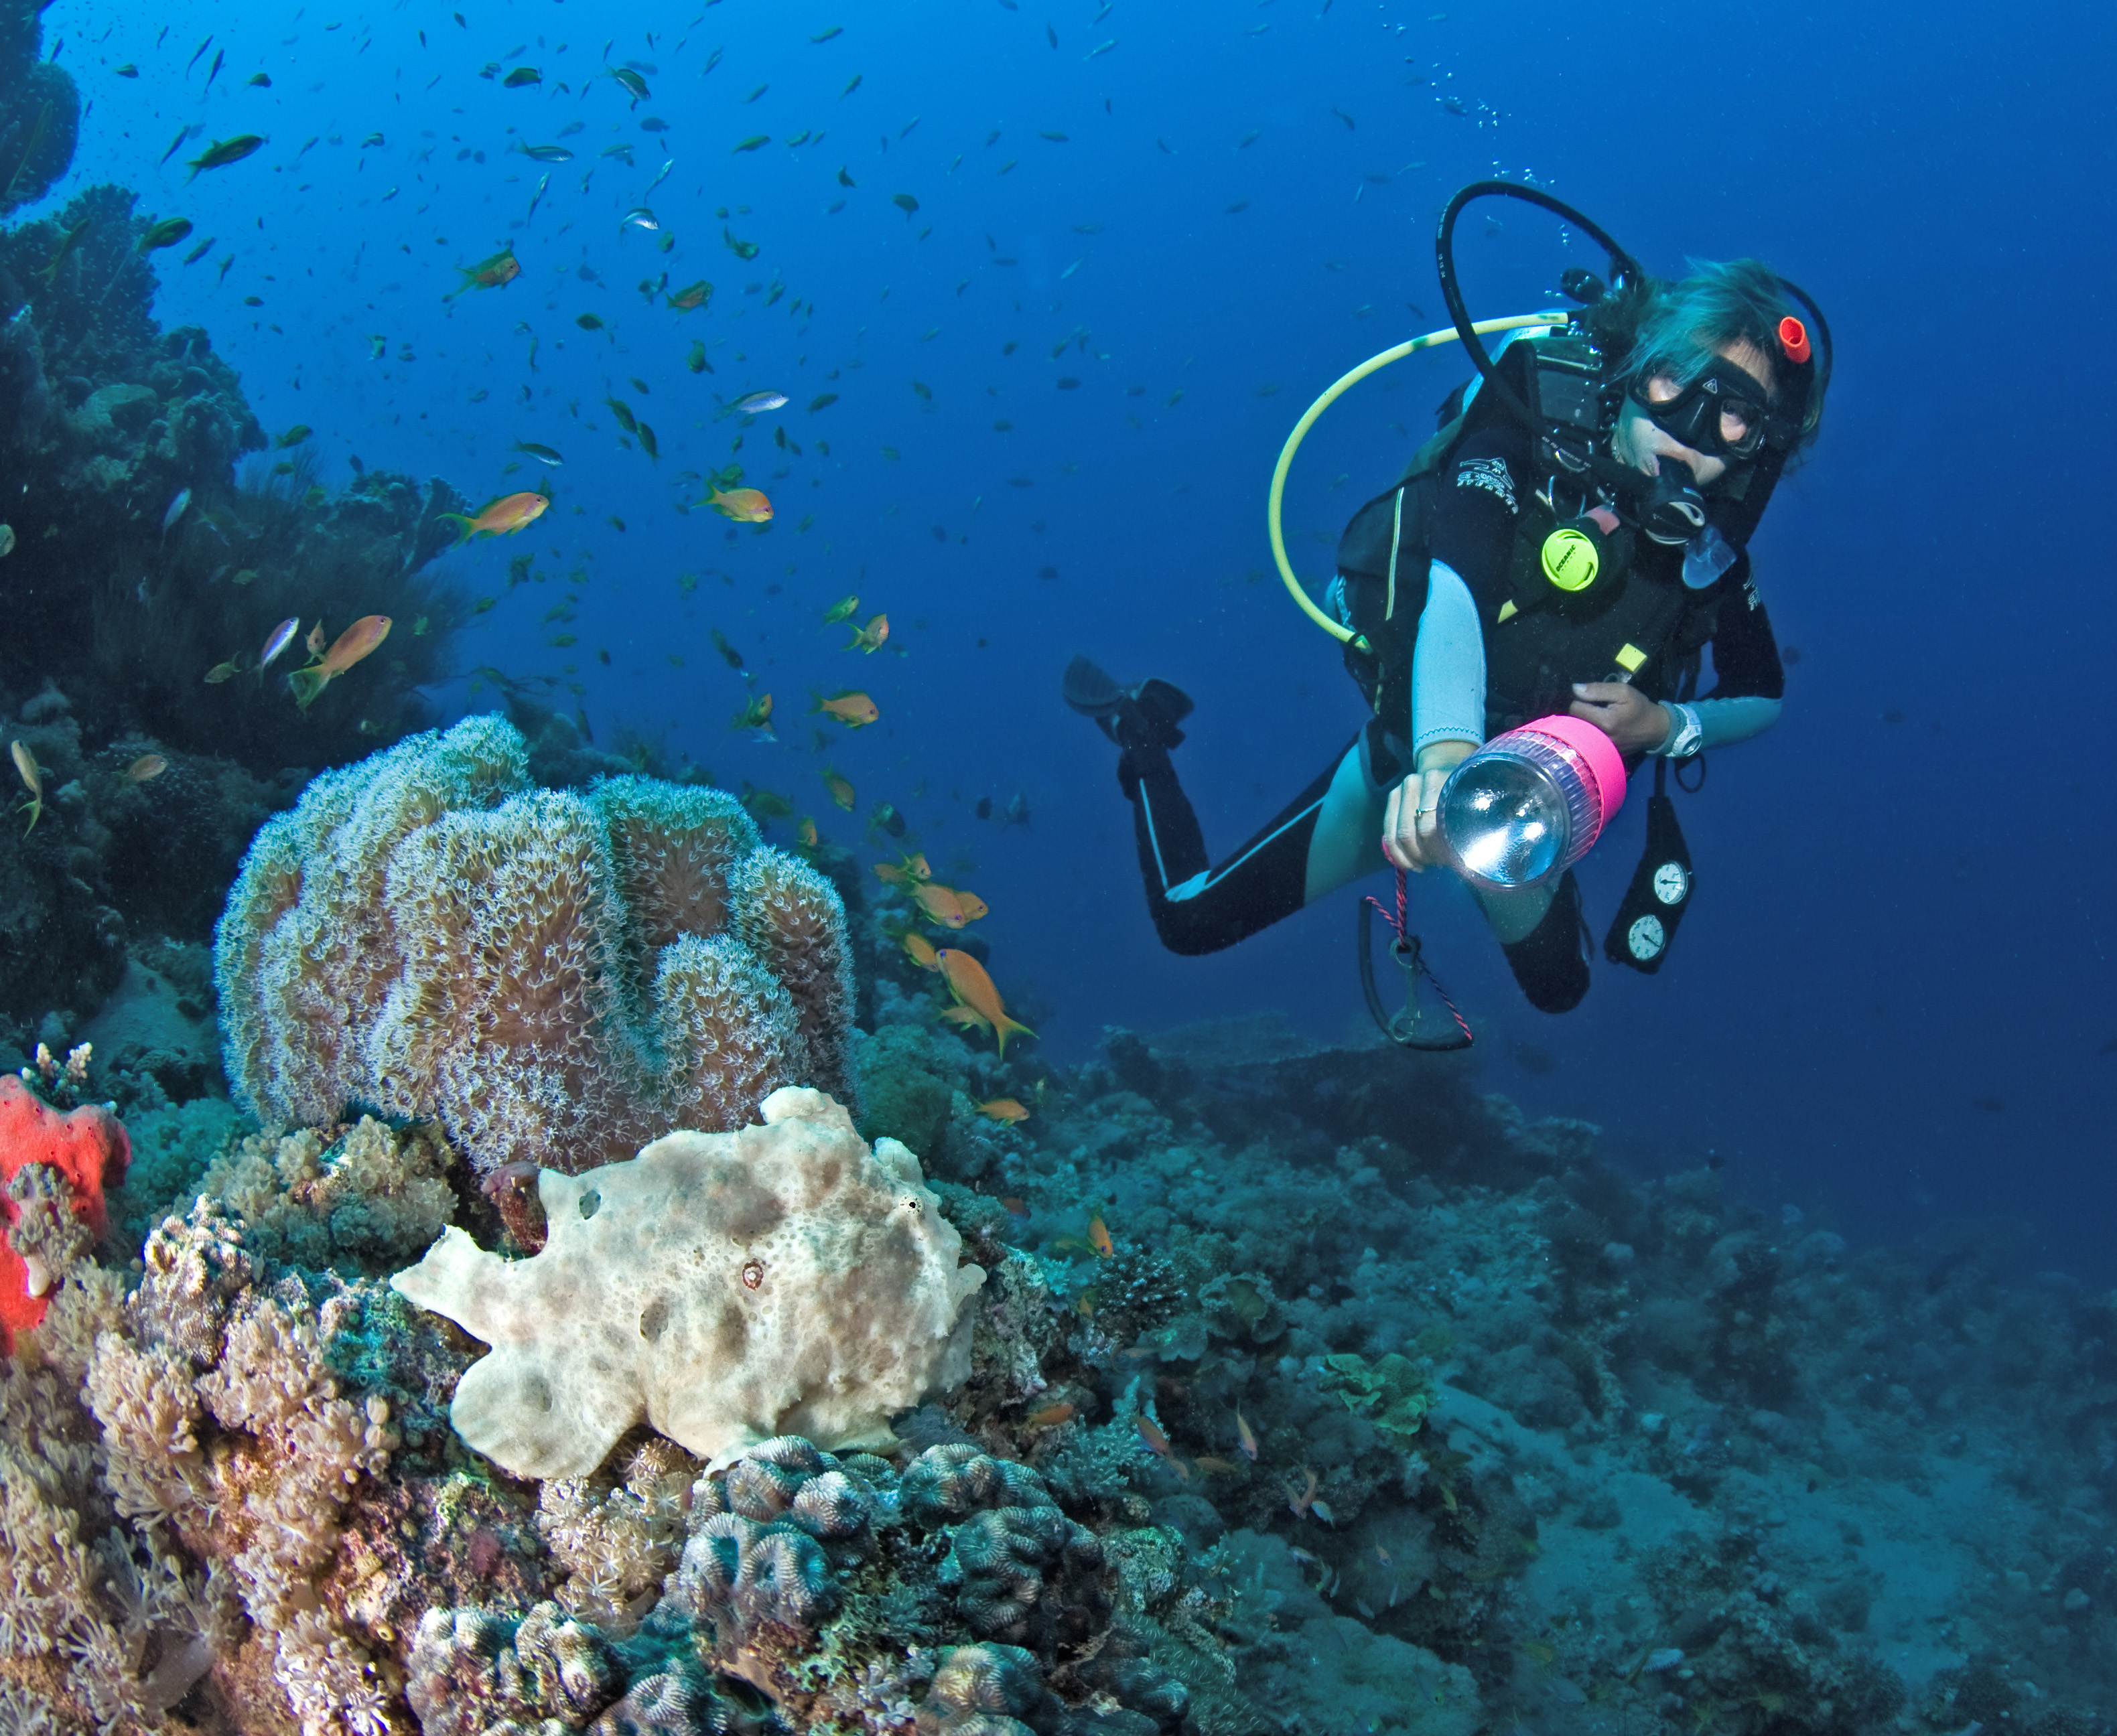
(555, 979)
(728, 1287)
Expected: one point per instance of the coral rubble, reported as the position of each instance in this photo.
(555, 979)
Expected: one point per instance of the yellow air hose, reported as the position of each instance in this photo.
(1339, 387)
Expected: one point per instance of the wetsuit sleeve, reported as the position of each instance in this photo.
(1750, 680)
(1745, 653)
(1447, 664)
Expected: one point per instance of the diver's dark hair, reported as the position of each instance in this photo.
(1677, 328)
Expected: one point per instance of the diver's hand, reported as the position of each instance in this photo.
(1411, 832)
(1635, 723)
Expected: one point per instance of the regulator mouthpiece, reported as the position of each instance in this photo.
(1531, 803)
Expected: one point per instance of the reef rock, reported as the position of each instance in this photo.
(555, 979)
(728, 1287)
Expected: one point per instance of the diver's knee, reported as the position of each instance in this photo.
(1550, 961)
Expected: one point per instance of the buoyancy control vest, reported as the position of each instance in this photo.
(1636, 620)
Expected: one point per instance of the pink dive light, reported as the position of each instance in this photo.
(1532, 801)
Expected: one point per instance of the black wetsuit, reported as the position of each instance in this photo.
(1476, 510)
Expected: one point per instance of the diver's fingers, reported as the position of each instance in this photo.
(1427, 818)
(1399, 838)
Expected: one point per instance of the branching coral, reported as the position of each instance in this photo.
(370, 1197)
(222, 1424)
(554, 979)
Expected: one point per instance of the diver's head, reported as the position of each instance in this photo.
(1715, 422)
(1717, 370)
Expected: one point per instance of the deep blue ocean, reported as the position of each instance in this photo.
(1070, 271)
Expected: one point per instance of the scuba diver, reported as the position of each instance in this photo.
(1570, 542)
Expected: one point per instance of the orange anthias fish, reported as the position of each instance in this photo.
(347, 649)
(967, 1018)
(500, 517)
(947, 906)
(147, 766)
(1050, 1417)
(744, 505)
(840, 788)
(855, 711)
(804, 834)
(1098, 1238)
(1003, 1109)
(1245, 1436)
(1157, 1443)
(496, 272)
(972, 989)
(870, 638)
(921, 952)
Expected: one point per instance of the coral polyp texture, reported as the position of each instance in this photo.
(725, 1287)
(555, 979)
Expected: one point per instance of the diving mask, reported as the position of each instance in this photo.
(1722, 413)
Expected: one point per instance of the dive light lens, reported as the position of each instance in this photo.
(1504, 820)
(1522, 808)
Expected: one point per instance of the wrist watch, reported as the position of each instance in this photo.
(1683, 739)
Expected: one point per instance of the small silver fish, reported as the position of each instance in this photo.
(639, 218)
(281, 639)
(759, 402)
(176, 510)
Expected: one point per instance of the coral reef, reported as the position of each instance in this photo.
(39, 110)
(107, 421)
(1310, 1391)
(728, 1287)
(145, 577)
(555, 979)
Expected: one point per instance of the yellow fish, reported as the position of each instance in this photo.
(1003, 1109)
(757, 715)
(968, 1017)
(920, 951)
(499, 271)
(841, 610)
(744, 505)
(947, 906)
(870, 638)
(804, 834)
(973, 988)
(855, 711)
(26, 763)
(840, 788)
(907, 871)
(1099, 1235)
(147, 766)
(227, 671)
(500, 517)
(347, 649)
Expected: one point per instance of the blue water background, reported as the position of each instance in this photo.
(1897, 921)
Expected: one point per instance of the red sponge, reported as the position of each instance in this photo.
(89, 1147)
